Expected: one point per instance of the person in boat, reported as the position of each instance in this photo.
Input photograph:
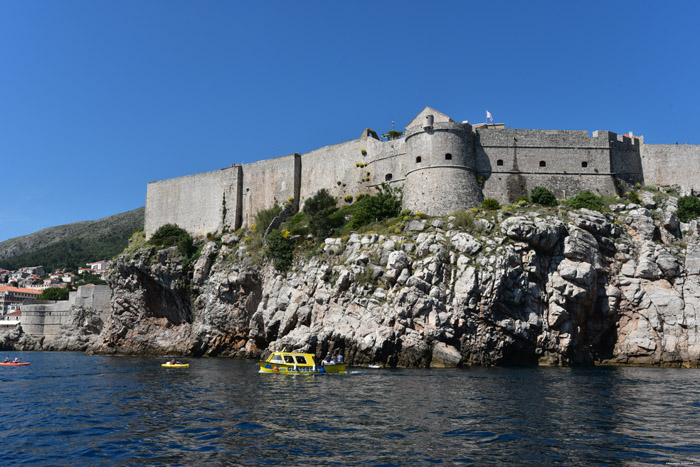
(340, 359)
(173, 362)
(16, 360)
(7, 360)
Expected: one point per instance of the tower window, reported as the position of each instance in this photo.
(418, 159)
(387, 177)
(543, 164)
(448, 157)
(499, 162)
(584, 164)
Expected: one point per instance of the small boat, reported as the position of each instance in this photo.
(295, 363)
(175, 365)
(14, 364)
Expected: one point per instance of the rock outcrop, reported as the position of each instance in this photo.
(522, 287)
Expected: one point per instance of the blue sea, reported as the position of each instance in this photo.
(71, 408)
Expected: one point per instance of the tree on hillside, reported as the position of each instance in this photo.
(54, 293)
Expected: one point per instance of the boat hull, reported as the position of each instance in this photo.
(281, 368)
(176, 365)
(14, 364)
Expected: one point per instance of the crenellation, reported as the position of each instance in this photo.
(443, 166)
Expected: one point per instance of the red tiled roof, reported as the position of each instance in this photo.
(21, 290)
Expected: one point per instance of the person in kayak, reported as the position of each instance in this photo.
(16, 360)
(7, 360)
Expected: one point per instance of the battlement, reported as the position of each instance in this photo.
(442, 165)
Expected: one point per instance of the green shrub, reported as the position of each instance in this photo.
(348, 198)
(464, 220)
(688, 208)
(280, 249)
(319, 207)
(54, 293)
(171, 235)
(264, 218)
(633, 197)
(541, 195)
(490, 204)
(383, 205)
(586, 200)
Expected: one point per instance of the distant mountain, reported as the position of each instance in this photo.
(72, 245)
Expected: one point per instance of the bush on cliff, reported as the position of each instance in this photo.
(541, 195)
(688, 208)
(280, 249)
(264, 218)
(586, 200)
(319, 208)
(490, 204)
(633, 197)
(385, 204)
(171, 235)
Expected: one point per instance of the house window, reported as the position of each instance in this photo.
(448, 157)
(543, 164)
(499, 162)
(584, 164)
(387, 177)
(418, 159)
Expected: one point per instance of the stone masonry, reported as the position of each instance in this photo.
(442, 166)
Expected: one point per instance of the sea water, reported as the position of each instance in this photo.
(71, 408)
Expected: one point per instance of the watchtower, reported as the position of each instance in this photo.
(441, 167)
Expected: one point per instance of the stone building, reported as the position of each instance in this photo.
(442, 165)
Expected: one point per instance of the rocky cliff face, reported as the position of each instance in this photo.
(549, 287)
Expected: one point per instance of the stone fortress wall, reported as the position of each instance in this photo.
(45, 319)
(442, 165)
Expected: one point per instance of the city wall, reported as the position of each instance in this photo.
(672, 164)
(268, 182)
(195, 202)
(442, 166)
(510, 162)
(46, 319)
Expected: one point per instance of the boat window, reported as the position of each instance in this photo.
(277, 359)
(289, 359)
(301, 360)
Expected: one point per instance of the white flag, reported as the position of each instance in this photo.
(489, 116)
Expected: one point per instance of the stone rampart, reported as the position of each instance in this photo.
(195, 202)
(268, 182)
(511, 162)
(45, 319)
(672, 164)
(442, 165)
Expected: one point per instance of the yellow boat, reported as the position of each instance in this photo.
(295, 363)
(175, 365)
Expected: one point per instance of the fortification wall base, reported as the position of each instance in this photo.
(46, 319)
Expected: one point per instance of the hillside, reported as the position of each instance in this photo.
(72, 245)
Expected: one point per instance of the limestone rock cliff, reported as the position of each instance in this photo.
(567, 287)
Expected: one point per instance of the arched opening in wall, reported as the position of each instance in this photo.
(247, 189)
(387, 177)
(543, 164)
(584, 164)
(448, 157)
(499, 162)
(418, 159)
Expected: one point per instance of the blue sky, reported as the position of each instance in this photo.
(99, 98)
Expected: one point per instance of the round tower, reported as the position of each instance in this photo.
(441, 168)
